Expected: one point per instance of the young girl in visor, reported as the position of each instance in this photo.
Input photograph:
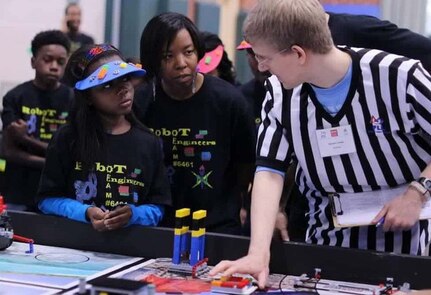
(104, 167)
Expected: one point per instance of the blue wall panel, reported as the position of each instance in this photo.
(243, 71)
(179, 6)
(134, 16)
(367, 9)
(208, 17)
(108, 21)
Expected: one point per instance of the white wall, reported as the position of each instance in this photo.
(410, 14)
(21, 20)
(93, 18)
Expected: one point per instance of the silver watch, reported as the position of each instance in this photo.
(426, 184)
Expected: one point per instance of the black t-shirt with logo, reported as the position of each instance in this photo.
(44, 112)
(205, 140)
(130, 170)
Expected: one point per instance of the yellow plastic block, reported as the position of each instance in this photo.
(181, 231)
(182, 212)
(199, 214)
(198, 233)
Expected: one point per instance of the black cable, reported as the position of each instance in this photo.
(279, 284)
(314, 288)
(304, 286)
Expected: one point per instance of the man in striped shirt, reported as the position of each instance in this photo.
(380, 102)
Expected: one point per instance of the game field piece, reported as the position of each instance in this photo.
(181, 235)
(233, 285)
(197, 248)
(6, 230)
(186, 269)
(118, 286)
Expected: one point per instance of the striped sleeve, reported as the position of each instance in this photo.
(419, 96)
(272, 144)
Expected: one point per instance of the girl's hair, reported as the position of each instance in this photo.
(84, 118)
(158, 35)
(225, 68)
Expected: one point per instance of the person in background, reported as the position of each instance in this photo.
(104, 167)
(32, 113)
(370, 32)
(377, 107)
(216, 61)
(254, 90)
(207, 131)
(77, 38)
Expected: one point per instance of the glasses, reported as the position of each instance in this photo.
(261, 59)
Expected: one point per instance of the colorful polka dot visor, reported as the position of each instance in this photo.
(108, 72)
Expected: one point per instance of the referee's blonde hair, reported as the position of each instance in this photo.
(283, 23)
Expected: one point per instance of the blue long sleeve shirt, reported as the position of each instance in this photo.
(148, 214)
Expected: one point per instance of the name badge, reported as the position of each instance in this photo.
(335, 141)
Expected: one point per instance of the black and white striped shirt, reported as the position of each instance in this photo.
(391, 91)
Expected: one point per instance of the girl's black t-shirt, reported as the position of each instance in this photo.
(130, 171)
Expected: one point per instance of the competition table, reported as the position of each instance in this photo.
(286, 258)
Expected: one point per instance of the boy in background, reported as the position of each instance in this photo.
(32, 112)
